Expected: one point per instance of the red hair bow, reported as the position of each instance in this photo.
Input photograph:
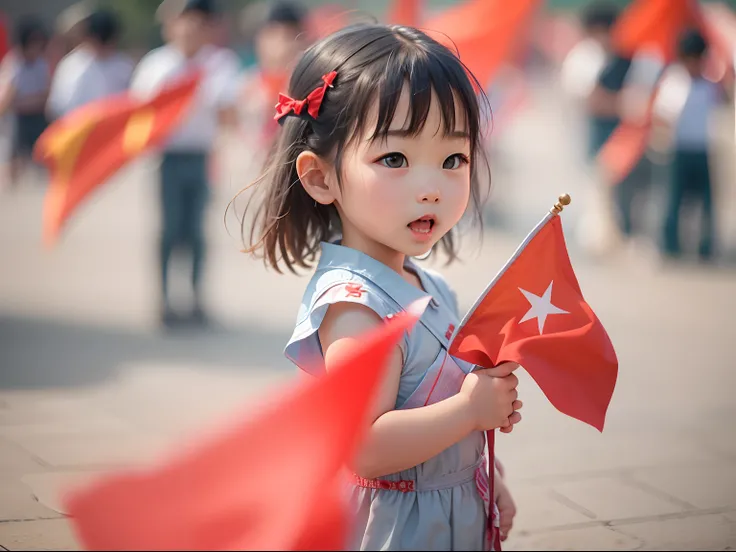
(312, 102)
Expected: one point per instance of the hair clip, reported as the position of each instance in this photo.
(312, 103)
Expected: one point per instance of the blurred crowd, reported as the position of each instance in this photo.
(45, 75)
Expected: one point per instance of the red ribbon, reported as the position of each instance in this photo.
(312, 102)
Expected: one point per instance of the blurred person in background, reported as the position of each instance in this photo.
(582, 68)
(279, 40)
(24, 86)
(183, 173)
(69, 30)
(683, 110)
(589, 74)
(610, 88)
(94, 69)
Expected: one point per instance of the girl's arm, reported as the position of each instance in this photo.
(397, 439)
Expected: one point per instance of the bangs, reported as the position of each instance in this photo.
(426, 78)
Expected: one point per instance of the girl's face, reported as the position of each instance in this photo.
(404, 193)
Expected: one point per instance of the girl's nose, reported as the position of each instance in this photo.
(430, 197)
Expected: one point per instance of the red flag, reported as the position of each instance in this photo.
(485, 33)
(624, 148)
(4, 41)
(272, 483)
(86, 147)
(324, 20)
(405, 12)
(654, 25)
(534, 313)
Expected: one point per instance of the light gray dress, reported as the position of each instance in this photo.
(446, 509)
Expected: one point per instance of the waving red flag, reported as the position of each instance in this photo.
(272, 483)
(654, 25)
(534, 313)
(485, 33)
(86, 147)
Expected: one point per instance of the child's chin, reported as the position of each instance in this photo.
(419, 250)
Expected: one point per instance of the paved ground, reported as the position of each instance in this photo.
(88, 383)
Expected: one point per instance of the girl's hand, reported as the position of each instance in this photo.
(491, 396)
(506, 506)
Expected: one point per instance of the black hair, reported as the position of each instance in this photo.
(600, 14)
(692, 44)
(103, 25)
(205, 7)
(285, 13)
(373, 63)
(28, 29)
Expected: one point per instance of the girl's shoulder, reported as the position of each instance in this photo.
(344, 275)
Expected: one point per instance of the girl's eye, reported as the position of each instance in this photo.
(455, 161)
(394, 161)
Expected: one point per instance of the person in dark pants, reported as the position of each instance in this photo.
(184, 187)
(684, 105)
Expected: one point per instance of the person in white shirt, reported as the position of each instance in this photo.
(93, 70)
(184, 162)
(683, 112)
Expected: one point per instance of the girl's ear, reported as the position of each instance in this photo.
(314, 175)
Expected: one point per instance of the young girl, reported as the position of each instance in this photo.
(377, 160)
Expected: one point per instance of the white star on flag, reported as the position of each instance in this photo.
(541, 307)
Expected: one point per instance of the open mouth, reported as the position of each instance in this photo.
(423, 225)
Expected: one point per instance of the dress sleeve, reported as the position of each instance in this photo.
(304, 348)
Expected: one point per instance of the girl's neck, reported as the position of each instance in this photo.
(395, 260)
(391, 258)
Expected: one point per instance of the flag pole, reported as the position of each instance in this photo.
(562, 201)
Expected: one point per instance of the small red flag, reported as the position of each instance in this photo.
(534, 313)
(86, 147)
(272, 483)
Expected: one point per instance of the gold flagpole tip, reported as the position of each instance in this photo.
(562, 202)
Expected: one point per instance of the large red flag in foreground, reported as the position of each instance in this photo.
(86, 147)
(272, 483)
(534, 313)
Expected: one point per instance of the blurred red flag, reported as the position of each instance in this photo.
(4, 40)
(272, 483)
(624, 148)
(89, 145)
(654, 25)
(485, 33)
(326, 19)
(405, 12)
(534, 313)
